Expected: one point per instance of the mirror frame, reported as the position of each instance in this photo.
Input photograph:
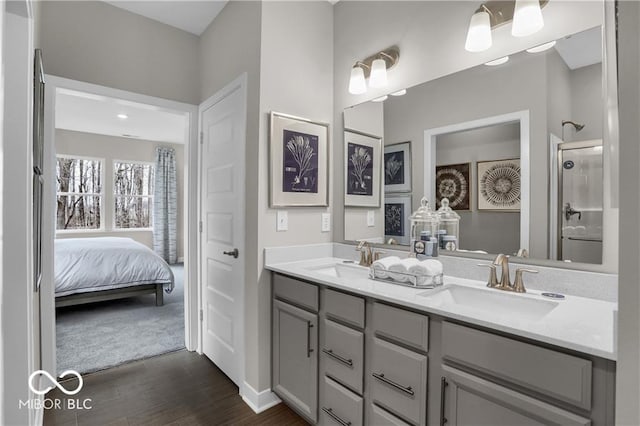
(522, 117)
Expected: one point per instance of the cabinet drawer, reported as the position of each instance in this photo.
(402, 326)
(344, 307)
(380, 416)
(563, 377)
(342, 353)
(340, 407)
(399, 380)
(297, 292)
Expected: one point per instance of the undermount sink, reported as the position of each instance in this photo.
(343, 270)
(491, 302)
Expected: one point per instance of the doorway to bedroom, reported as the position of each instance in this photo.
(120, 240)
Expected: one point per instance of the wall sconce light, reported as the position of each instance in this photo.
(375, 68)
(525, 14)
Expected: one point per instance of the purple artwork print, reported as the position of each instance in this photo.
(299, 162)
(360, 169)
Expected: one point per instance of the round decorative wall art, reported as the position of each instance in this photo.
(499, 185)
(452, 182)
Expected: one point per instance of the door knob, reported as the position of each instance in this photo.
(235, 253)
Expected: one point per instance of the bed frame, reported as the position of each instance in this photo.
(117, 293)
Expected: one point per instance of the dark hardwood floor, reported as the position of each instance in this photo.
(180, 388)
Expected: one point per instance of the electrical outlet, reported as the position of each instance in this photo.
(326, 222)
(371, 218)
(282, 218)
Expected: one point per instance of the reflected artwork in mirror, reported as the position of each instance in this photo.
(516, 148)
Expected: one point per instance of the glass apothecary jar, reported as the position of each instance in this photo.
(449, 227)
(424, 227)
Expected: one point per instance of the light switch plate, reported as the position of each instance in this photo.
(326, 222)
(282, 218)
(371, 218)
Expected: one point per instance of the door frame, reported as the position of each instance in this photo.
(53, 84)
(239, 83)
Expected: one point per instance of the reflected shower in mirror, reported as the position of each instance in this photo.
(496, 141)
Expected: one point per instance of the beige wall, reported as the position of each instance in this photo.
(112, 148)
(98, 43)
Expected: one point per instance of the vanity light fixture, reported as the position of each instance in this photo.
(498, 61)
(525, 14)
(399, 92)
(542, 47)
(122, 116)
(380, 99)
(375, 68)
(527, 18)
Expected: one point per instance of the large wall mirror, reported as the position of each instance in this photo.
(516, 147)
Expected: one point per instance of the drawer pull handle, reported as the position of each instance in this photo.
(348, 362)
(443, 394)
(335, 417)
(309, 349)
(383, 379)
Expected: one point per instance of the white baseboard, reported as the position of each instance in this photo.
(258, 401)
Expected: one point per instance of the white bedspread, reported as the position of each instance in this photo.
(93, 264)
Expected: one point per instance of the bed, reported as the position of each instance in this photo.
(106, 268)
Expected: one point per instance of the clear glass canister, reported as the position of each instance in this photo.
(424, 228)
(449, 226)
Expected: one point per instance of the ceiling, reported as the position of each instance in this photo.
(89, 113)
(187, 15)
(582, 49)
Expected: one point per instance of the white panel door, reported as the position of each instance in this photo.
(222, 237)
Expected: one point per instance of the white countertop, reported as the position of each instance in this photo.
(577, 323)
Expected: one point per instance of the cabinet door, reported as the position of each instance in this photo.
(470, 400)
(295, 358)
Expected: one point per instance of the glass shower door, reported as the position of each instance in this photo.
(580, 204)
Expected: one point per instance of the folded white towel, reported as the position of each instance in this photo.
(398, 271)
(381, 266)
(435, 266)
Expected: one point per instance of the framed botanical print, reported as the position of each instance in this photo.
(453, 181)
(499, 186)
(397, 210)
(299, 151)
(397, 167)
(362, 170)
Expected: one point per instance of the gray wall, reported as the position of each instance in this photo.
(628, 366)
(493, 232)
(112, 148)
(98, 43)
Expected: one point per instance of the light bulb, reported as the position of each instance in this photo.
(378, 76)
(479, 34)
(527, 18)
(357, 83)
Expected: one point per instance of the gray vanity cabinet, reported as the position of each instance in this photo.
(295, 348)
(471, 400)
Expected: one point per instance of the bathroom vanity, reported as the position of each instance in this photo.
(348, 350)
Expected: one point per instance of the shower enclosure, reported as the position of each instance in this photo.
(579, 201)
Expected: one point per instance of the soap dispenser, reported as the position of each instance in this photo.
(449, 226)
(424, 227)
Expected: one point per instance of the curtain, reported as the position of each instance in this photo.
(165, 203)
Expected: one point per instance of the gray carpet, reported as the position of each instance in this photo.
(100, 335)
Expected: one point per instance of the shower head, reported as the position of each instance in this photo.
(575, 125)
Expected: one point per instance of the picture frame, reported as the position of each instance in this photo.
(499, 185)
(397, 211)
(299, 162)
(453, 181)
(397, 167)
(362, 169)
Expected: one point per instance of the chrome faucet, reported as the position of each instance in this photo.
(502, 261)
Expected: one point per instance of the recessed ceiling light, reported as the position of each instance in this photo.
(380, 99)
(500, 61)
(542, 47)
(399, 92)
(122, 116)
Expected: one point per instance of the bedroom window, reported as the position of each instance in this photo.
(79, 193)
(133, 194)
